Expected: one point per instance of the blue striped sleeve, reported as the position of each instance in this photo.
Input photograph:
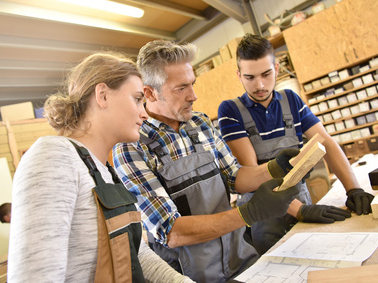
(230, 121)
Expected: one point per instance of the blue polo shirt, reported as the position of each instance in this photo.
(268, 120)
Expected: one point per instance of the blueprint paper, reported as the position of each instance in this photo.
(304, 252)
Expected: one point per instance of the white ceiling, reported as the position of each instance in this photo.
(34, 52)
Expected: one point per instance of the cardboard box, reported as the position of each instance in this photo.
(311, 100)
(349, 123)
(356, 134)
(327, 118)
(336, 114)
(330, 128)
(334, 79)
(355, 109)
(344, 74)
(330, 91)
(364, 68)
(323, 106)
(308, 87)
(332, 103)
(345, 112)
(340, 126)
(357, 82)
(364, 106)
(314, 109)
(345, 137)
(361, 120)
(365, 132)
(371, 90)
(316, 84)
(225, 53)
(355, 70)
(351, 97)
(373, 62)
(336, 138)
(342, 100)
(325, 81)
(320, 97)
(361, 94)
(233, 45)
(367, 79)
(370, 117)
(348, 86)
(16, 112)
(374, 104)
(339, 90)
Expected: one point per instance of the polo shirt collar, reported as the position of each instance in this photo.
(249, 102)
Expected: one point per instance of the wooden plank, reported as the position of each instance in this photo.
(316, 138)
(360, 274)
(12, 145)
(311, 157)
(216, 85)
(374, 206)
(19, 111)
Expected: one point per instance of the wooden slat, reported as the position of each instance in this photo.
(316, 138)
(360, 274)
(374, 206)
(310, 158)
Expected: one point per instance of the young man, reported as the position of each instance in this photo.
(183, 170)
(278, 120)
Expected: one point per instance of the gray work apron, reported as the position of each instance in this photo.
(196, 186)
(267, 150)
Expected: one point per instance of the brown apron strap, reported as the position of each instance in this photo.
(104, 269)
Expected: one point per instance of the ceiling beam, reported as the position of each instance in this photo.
(50, 15)
(169, 6)
(195, 28)
(231, 8)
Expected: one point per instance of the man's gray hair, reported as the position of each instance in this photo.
(157, 54)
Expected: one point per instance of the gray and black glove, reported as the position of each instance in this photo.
(280, 166)
(359, 201)
(321, 214)
(267, 204)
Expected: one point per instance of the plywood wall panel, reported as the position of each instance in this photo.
(215, 86)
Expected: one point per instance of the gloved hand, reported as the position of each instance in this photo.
(267, 204)
(280, 166)
(321, 214)
(359, 201)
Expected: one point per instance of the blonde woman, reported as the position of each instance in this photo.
(72, 220)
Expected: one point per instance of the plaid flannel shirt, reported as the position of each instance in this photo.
(137, 168)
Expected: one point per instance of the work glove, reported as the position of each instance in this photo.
(267, 204)
(280, 166)
(321, 214)
(359, 201)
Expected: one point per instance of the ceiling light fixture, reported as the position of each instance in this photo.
(108, 6)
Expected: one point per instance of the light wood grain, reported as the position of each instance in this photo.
(316, 138)
(311, 157)
(360, 274)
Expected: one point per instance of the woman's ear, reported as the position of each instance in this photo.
(149, 93)
(101, 95)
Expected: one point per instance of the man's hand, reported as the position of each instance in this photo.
(280, 166)
(321, 214)
(359, 201)
(267, 204)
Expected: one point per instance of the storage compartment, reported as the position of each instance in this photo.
(373, 144)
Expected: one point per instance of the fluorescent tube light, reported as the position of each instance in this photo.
(108, 6)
